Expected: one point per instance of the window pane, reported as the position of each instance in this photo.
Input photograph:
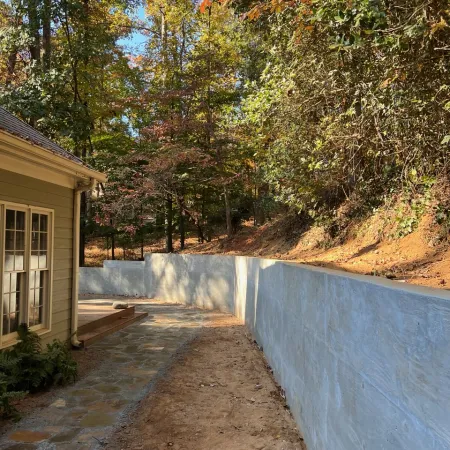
(34, 240)
(43, 260)
(14, 302)
(32, 279)
(44, 223)
(18, 262)
(5, 324)
(20, 240)
(15, 282)
(20, 220)
(35, 316)
(9, 240)
(31, 321)
(11, 318)
(43, 278)
(6, 282)
(10, 280)
(34, 262)
(6, 304)
(37, 297)
(35, 222)
(43, 241)
(9, 261)
(13, 322)
(10, 219)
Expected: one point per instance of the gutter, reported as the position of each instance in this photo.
(81, 187)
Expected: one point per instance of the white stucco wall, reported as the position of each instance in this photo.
(364, 361)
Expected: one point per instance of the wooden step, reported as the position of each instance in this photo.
(105, 317)
(88, 338)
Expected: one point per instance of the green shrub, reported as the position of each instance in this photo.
(25, 368)
(6, 409)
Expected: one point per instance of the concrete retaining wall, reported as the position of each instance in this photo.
(365, 362)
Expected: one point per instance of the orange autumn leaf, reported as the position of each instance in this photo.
(277, 6)
(205, 4)
(254, 13)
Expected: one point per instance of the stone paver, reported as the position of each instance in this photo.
(85, 414)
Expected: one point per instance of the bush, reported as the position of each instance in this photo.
(25, 368)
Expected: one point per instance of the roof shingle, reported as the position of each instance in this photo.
(11, 124)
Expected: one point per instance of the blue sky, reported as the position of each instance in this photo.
(135, 43)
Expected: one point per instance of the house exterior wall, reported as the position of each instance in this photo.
(29, 191)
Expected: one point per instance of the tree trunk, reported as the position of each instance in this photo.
(260, 213)
(10, 67)
(182, 231)
(201, 220)
(228, 211)
(169, 223)
(34, 47)
(255, 206)
(160, 219)
(113, 247)
(46, 34)
(33, 21)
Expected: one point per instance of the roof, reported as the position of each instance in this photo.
(11, 124)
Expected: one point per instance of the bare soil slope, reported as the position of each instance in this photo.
(417, 258)
(368, 247)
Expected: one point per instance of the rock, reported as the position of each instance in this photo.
(28, 436)
(95, 419)
(120, 305)
(60, 403)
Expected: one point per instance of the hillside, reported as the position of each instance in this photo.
(417, 258)
(412, 259)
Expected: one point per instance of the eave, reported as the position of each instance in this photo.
(20, 156)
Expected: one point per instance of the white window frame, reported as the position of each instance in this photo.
(45, 326)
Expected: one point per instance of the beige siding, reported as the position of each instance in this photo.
(21, 189)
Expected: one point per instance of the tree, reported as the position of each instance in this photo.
(344, 109)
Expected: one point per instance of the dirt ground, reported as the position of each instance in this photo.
(218, 394)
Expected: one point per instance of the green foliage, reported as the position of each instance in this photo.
(442, 216)
(412, 206)
(25, 368)
(358, 105)
(6, 397)
(312, 104)
(441, 210)
(53, 62)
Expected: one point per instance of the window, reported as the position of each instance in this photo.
(13, 274)
(38, 267)
(26, 247)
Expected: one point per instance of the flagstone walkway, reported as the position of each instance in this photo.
(85, 414)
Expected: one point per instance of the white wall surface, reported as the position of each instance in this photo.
(364, 361)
